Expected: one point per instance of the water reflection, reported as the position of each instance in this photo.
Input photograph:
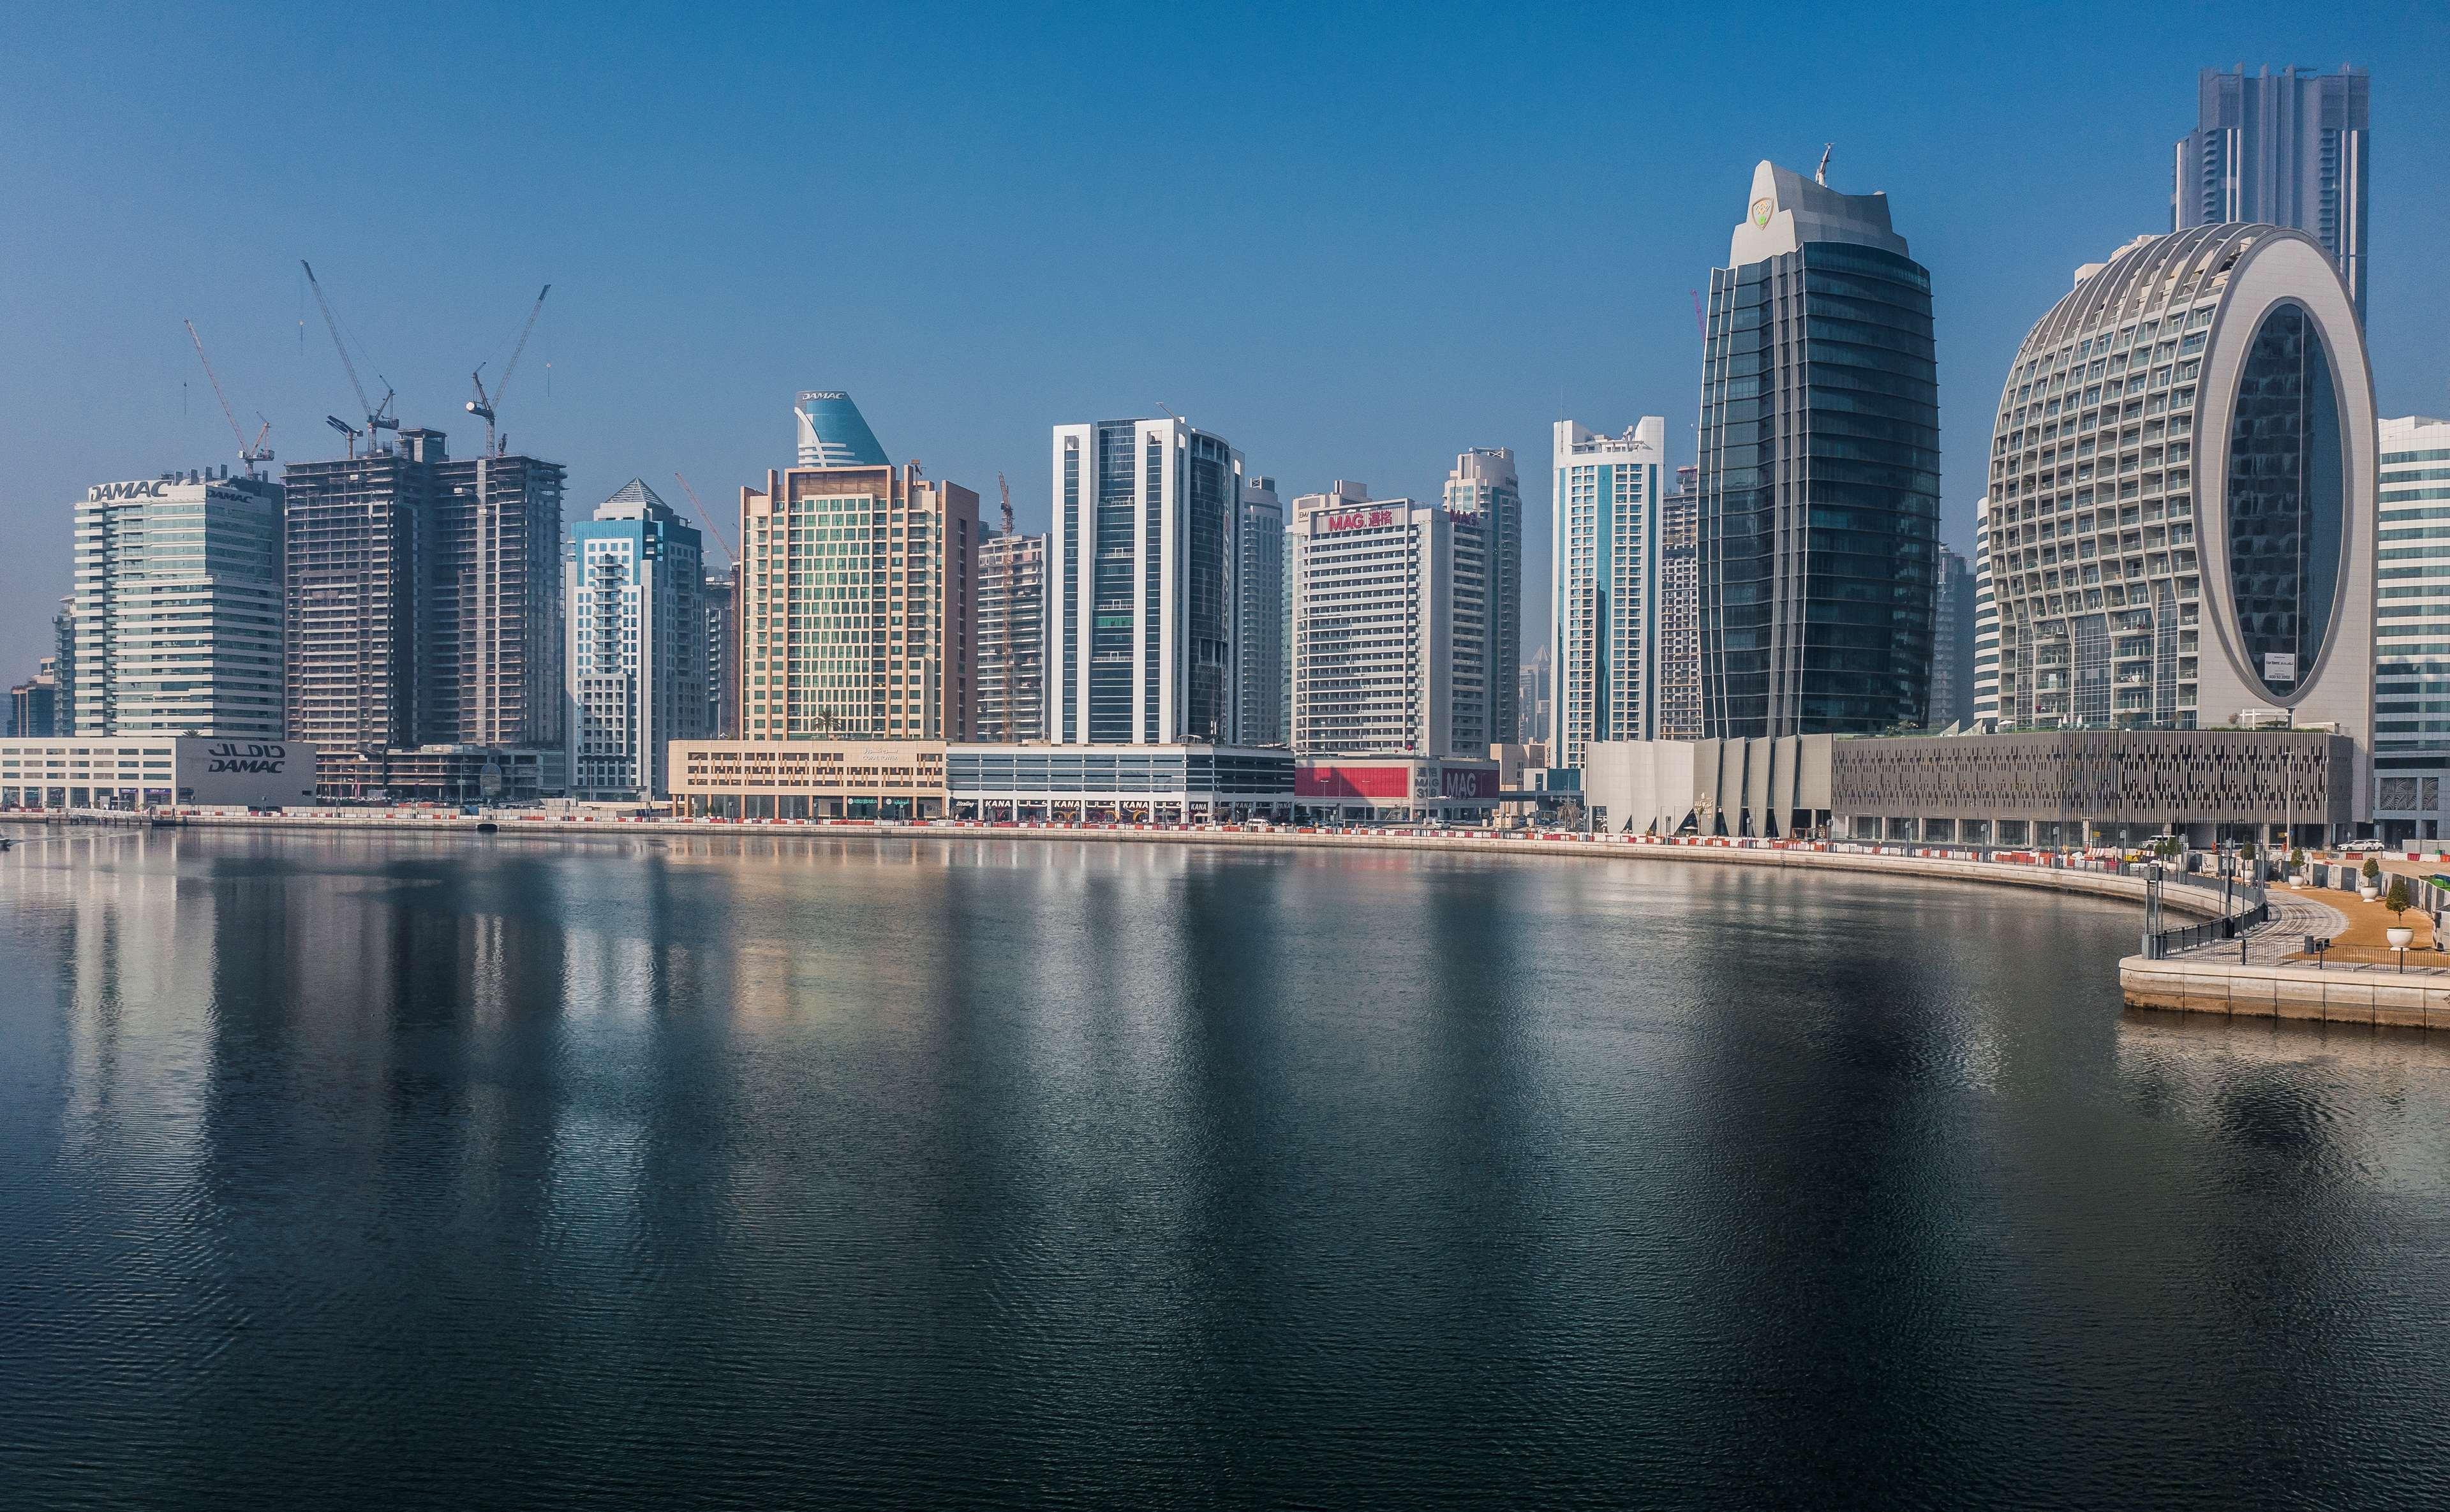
(810, 1172)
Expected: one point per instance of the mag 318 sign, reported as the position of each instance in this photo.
(247, 756)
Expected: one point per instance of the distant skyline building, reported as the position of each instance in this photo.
(1952, 643)
(833, 433)
(1819, 468)
(1141, 595)
(2287, 149)
(1012, 638)
(1263, 672)
(34, 705)
(856, 597)
(359, 536)
(1483, 500)
(2411, 631)
(492, 633)
(1680, 609)
(1986, 624)
(2177, 536)
(64, 667)
(177, 608)
(1375, 614)
(1535, 684)
(717, 598)
(634, 578)
(1606, 526)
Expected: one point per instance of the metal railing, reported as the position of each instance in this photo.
(2161, 944)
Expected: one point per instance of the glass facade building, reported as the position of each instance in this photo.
(2411, 631)
(1145, 553)
(833, 433)
(1604, 550)
(635, 581)
(1818, 470)
(2285, 148)
(2174, 535)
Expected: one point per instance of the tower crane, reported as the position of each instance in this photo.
(707, 520)
(1006, 490)
(247, 455)
(379, 416)
(482, 406)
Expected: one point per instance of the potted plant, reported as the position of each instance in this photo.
(2297, 873)
(2371, 888)
(2400, 935)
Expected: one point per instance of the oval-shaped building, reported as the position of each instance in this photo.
(2179, 524)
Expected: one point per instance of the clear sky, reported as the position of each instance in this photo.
(1351, 240)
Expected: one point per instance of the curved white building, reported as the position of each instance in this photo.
(2179, 525)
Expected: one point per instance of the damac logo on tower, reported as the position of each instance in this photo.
(104, 493)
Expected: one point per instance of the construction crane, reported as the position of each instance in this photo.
(1821, 174)
(483, 407)
(346, 429)
(379, 416)
(247, 456)
(1701, 323)
(1006, 490)
(707, 520)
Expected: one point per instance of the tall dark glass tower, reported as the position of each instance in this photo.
(2285, 148)
(1819, 470)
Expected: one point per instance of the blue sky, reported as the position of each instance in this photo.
(1352, 240)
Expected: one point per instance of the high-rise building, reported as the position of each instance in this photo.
(1819, 470)
(359, 541)
(1141, 605)
(1951, 644)
(633, 578)
(722, 654)
(2411, 631)
(833, 433)
(1986, 625)
(1606, 553)
(1375, 585)
(64, 667)
(177, 606)
(1680, 609)
(1261, 680)
(857, 598)
(1012, 638)
(2285, 148)
(34, 705)
(2176, 534)
(423, 604)
(1534, 683)
(1483, 499)
(493, 625)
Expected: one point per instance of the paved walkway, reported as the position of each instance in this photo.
(2294, 916)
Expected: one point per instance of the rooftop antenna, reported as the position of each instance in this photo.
(247, 456)
(1821, 174)
(483, 407)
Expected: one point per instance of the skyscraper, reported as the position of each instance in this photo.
(2411, 631)
(177, 608)
(1605, 550)
(34, 705)
(1986, 625)
(721, 607)
(2177, 537)
(64, 667)
(1680, 609)
(1819, 470)
(634, 577)
(1259, 648)
(2281, 149)
(1951, 644)
(492, 627)
(833, 433)
(357, 537)
(1146, 545)
(1012, 638)
(1375, 594)
(1483, 500)
(856, 597)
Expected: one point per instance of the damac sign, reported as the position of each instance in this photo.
(104, 493)
(1360, 520)
(235, 757)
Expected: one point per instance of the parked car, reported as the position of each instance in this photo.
(2362, 847)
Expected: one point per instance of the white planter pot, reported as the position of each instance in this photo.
(2398, 937)
(2369, 894)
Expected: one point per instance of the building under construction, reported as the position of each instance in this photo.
(424, 609)
(1012, 638)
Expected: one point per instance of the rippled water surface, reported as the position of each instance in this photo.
(360, 1173)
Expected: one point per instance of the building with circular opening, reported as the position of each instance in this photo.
(2179, 528)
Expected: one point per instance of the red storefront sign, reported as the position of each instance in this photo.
(1352, 780)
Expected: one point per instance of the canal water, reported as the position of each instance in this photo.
(358, 1171)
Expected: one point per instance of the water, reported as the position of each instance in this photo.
(367, 1171)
